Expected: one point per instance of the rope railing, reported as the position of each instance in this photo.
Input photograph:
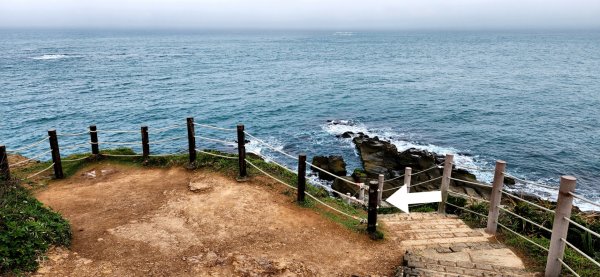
(28, 146)
(75, 160)
(75, 146)
(528, 202)
(483, 185)
(584, 199)
(466, 210)
(582, 227)
(271, 147)
(424, 170)
(74, 134)
(121, 155)
(393, 179)
(333, 175)
(468, 196)
(580, 252)
(568, 267)
(522, 236)
(116, 143)
(39, 172)
(526, 219)
(530, 182)
(214, 127)
(215, 155)
(166, 140)
(115, 131)
(216, 140)
(361, 220)
(30, 159)
(417, 184)
(473, 168)
(166, 154)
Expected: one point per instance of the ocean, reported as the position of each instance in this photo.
(529, 98)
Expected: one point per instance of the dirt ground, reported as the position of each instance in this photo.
(130, 221)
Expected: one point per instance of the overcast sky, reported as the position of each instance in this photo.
(303, 14)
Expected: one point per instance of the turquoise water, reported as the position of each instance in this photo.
(532, 99)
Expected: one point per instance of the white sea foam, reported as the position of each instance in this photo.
(462, 161)
(50, 57)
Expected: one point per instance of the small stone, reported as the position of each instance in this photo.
(100, 239)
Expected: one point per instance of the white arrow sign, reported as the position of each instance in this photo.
(401, 198)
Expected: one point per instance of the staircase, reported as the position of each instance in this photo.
(443, 245)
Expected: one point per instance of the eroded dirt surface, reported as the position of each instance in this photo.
(136, 221)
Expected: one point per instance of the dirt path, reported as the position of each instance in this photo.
(134, 221)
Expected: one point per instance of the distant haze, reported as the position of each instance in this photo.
(302, 14)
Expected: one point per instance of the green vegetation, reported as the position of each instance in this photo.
(535, 255)
(27, 229)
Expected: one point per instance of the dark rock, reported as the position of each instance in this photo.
(509, 181)
(333, 164)
(347, 134)
(345, 187)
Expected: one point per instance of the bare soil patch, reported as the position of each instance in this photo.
(130, 221)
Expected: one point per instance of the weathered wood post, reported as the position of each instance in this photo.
(301, 177)
(372, 209)
(361, 192)
(560, 227)
(145, 143)
(445, 182)
(407, 177)
(241, 138)
(191, 132)
(379, 189)
(4, 169)
(94, 140)
(58, 172)
(496, 197)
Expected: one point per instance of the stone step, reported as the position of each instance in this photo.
(465, 229)
(436, 235)
(446, 222)
(435, 241)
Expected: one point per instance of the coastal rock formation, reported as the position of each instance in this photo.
(382, 157)
(333, 164)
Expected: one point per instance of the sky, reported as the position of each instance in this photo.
(302, 14)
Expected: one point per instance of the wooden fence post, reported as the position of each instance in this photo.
(496, 197)
(4, 169)
(445, 182)
(58, 172)
(560, 227)
(361, 192)
(379, 189)
(407, 177)
(301, 177)
(94, 140)
(191, 131)
(372, 209)
(241, 138)
(145, 143)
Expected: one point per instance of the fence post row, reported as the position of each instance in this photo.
(191, 132)
(372, 209)
(407, 177)
(94, 140)
(4, 169)
(445, 182)
(380, 189)
(241, 140)
(58, 172)
(301, 177)
(495, 198)
(560, 227)
(145, 143)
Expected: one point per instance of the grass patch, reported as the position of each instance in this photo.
(27, 230)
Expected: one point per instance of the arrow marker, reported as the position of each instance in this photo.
(401, 198)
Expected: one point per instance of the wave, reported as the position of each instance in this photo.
(461, 159)
(50, 57)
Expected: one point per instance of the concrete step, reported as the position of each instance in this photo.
(436, 241)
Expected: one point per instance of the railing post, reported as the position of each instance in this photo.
(241, 138)
(496, 197)
(361, 192)
(94, 140)
(145, 143)
(58, 172)
(379, 189)
(301, 177)
(560, 227)
(445, 182)
(372, 209)
(191, 132)
(407, 177)
(4, 169)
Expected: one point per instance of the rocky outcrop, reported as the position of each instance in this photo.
(333, 164)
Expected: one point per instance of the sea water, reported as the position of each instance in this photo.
(529, 98)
